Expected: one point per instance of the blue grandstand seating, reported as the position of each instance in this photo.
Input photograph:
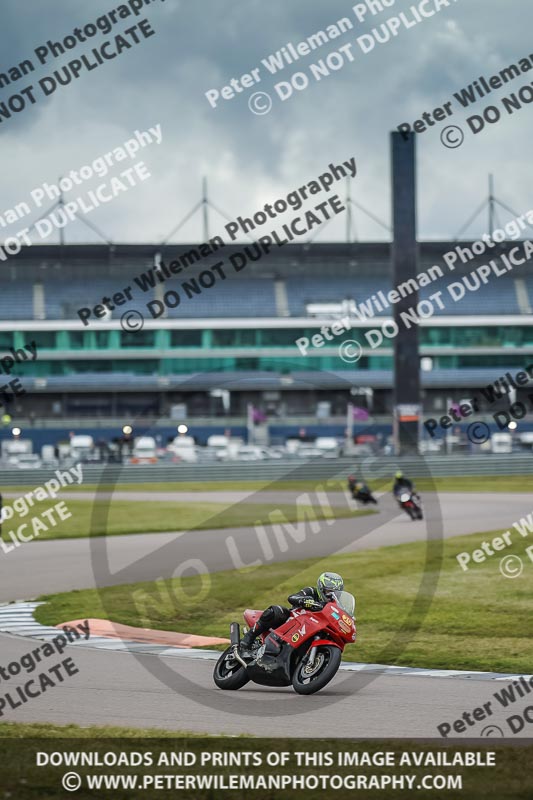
(251, 297)
(63, 299)
(304, 290)
(234, 297)
(496, 297)
(16, 300)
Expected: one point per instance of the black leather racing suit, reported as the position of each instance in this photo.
(360, 491)
(401, 484)
(274, 616)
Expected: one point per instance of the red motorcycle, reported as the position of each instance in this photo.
(411, 504)
(305, 651)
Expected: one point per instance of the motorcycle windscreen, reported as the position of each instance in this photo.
(346, 601)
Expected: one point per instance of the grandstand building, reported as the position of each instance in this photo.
(240, 332)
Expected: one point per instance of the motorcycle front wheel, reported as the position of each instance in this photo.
(309, 679)
(228, 673)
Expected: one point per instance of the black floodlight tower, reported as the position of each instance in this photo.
(404, 259)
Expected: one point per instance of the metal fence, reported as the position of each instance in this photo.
(317, 469)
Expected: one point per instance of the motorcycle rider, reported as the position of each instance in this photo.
(360, 491)
(402, 484)
(311, 598)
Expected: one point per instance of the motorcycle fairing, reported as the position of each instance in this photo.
(273, 668)
(251, 616)
(297, 630)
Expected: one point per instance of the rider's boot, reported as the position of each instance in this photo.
(247, 641)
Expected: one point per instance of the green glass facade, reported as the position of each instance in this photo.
(65, 352)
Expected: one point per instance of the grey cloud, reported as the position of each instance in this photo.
(251, 160)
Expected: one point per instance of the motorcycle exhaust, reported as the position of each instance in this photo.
(237, 656)
(235, 639)
(235, 633)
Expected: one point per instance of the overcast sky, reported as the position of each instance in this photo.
(249, 159)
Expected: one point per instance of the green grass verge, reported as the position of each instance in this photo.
(488, 483)
(23, 779)
(478, 483)
(122, 517)
(45, 730)
(416, 606)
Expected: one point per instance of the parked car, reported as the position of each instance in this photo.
(206, 455)
(81, 447)
(309, 451)
(249, 452)
(184, 447)
(361, 450)
(501, 443)
(328, 445)
(225, 448)
(274, 452)
(28, 461)
(144, 450)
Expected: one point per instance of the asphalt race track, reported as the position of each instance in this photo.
(45, 567)
(125, 689)
(118, 689)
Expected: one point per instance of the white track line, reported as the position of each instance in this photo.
(17, 619)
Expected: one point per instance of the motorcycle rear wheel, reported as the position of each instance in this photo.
(228, 673)
(326, 665)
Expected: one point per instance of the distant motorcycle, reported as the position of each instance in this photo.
(361, 493)
(304, 652)
(410, 502)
